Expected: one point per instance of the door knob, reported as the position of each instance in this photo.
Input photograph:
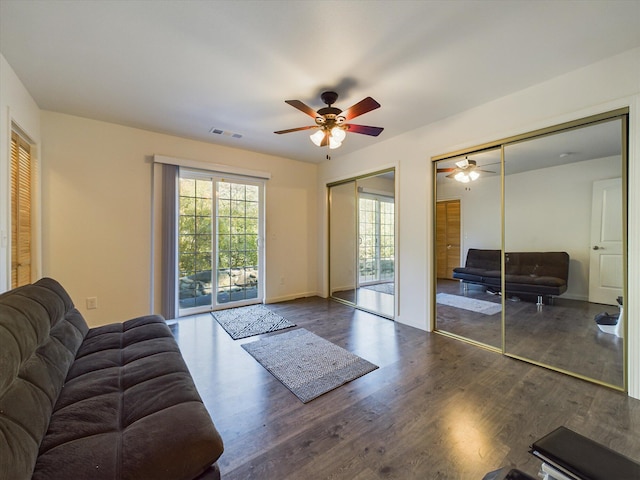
(448, 247)
(596, 247)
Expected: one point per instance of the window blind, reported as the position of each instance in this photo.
(20, 211)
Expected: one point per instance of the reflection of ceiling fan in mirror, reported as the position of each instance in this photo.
(331, 122)
(465, 171)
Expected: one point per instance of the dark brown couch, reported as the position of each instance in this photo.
(541, 274)
(112, 402)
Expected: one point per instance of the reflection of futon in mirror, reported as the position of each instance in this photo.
(544, 274)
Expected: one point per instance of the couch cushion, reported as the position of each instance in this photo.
(539, 264)
(483, 259)
(40, 332)
(468, 274)
(129, 410)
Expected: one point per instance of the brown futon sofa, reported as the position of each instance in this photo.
(112, 402)
(541, 274)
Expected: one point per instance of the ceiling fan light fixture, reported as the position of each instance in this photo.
(334, 143)
(466, 177)
(338, 134)
(331, 121)
(462, 177)
(317, 137)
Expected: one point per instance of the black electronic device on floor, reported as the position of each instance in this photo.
(574, 456)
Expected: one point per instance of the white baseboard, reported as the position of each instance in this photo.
(572, 296)
(293, 296)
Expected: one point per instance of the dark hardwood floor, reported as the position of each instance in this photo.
(437, 408)
(563, 334)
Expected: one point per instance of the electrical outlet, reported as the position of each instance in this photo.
(92, 303)
(281, 280)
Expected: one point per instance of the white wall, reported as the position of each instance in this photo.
(17, 107)
(604, 86)
(97, 182)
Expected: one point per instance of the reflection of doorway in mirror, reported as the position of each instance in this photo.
(376, 244)
(362, 242)
(447, 237)
(606, 274)
(376, 250)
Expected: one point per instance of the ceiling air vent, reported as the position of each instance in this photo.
(217, 131)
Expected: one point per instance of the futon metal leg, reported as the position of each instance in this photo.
(539, 304)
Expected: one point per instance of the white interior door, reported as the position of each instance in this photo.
(606, 275)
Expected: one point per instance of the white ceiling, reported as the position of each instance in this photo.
(185, 67)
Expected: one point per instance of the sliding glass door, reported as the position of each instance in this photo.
(220, 254)
(376, 239)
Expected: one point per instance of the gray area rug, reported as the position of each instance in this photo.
(245, 322)
(307, 364)
(466, 303)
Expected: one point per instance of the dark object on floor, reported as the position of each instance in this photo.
(580, 457)
(110, 402)
(544, 274)
(605, 318)
(507, 473)
(610, 323)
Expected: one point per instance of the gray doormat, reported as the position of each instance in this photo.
(466, 303)
(245, 322)
(307, 364)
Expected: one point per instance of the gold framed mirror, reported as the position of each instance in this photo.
(468, 217)
(556, 257)
(362, 242)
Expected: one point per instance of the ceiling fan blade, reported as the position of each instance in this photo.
(445, 170)
(484, 171)
(296, 129)
(303, 108)
(364, 129)
(362, 107)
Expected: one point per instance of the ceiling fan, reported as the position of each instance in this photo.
(465, 171)
(331, 122)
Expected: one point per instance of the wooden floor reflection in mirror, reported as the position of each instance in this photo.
(563, 193)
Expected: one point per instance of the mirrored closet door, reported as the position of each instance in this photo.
(543, 239)
(362, 242)
(468, 237)
(342, 241)
(563, 243)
